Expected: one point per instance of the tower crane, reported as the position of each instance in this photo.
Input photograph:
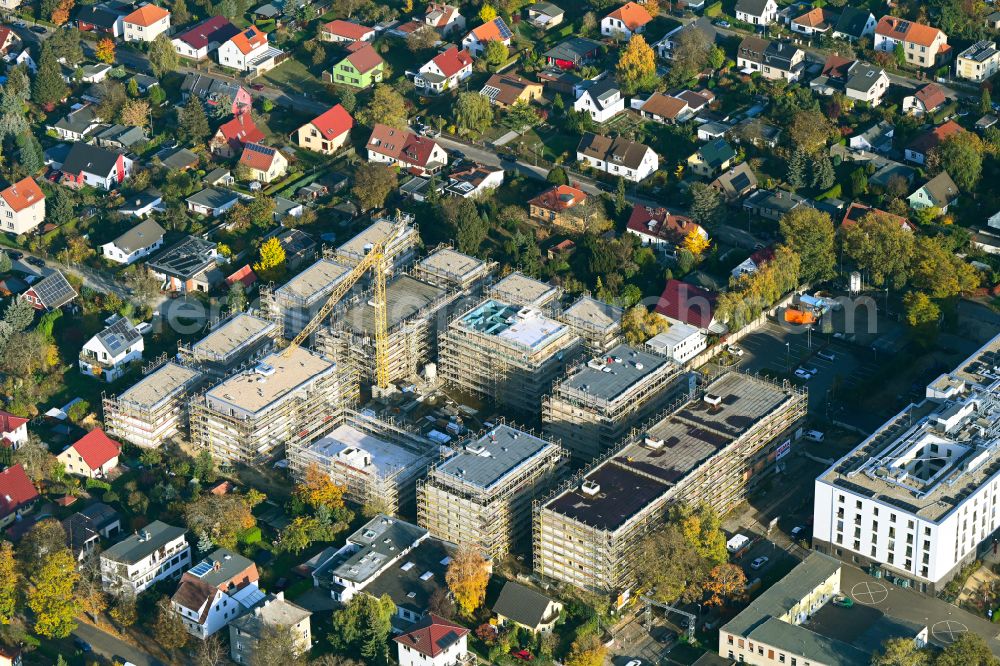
(376, 262)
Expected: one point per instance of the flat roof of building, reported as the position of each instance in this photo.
(386, 457)
(251, 391)
(518, 325)
(453, 264)
(589, 312)
(233, 334)
(622, 494)
(380, 540)
(489, 459)
(983, 365)
(613, 374)
(160, 385)
(520, 289)
(314, 282)
(406, 297)
(378, 231)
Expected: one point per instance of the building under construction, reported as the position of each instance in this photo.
(482, 495)
(399, 253)
(155, 409)
(450, 269)
(519, 289)
(415, 311)
(296, 302)
(713, 448)
(250, 417)
(377, 462)
(596, 322)
(592, 409)
(239, 339)
(507, 353)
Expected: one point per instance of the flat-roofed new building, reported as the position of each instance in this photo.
(482, 495)
(507, 353)
(918, 497)
(598, 323)
(711, 449)
(139, 561)
(401, 251)
(296, 302)
(599, 401)
(519, 289)
(154, 409)
(376, 462)
(450, 269)
(237, 340)
(250, 417)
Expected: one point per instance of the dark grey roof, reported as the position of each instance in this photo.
(487, 460)
(941, 189)
(100, 16)
(619, 150)
(140, 237)
(616, 371)
(54, 290)
(147, 541)
(219, 567)
(186, 259)
(212, 197)
(282, 206)
(546, 8)
(852, 21)
(139, 201)
(123, 134)
(79, 532)
(380, 541)
(412, 588)
(217, 174)
(84, 157)
(145, 82)
(78, 121)
(207, 87)
(862, 76)
(521, 604)
(752, 7)
(572, 49)
(603, 91)
(100, 514)
(118, 336)
(178, 159)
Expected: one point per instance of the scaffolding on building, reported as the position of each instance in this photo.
(149, 421)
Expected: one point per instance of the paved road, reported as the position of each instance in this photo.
(96, 280)
(111, 647)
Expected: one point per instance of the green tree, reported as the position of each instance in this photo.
(901, 652)
(51, 595)
(373, 182)
(706, 204)
(168, 627)
(363, 626)
(961, 156)
(495, 54)
(921, 311)
(859, 182)
(272, 256)
(621, 203)
(899, 53)
(465, 223)
(636, 67)
(556, 176)
(810, 129)
(938, 271)
(823, 175)
(668, 565)
(473, 112)
(880, 245)
(29, 153)
(222, 518)
(520, 116)
(48, 87)
(969, 649)
(5, 263)
(192, 124)
(348, 100)
(237, 297)
(163, 57)
(985, 102)
(10, 583)
(797, 169)
(386, 106)
(179, 14)
(811, 234)
(690, 55)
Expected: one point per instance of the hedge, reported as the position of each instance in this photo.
(98, 484)
(714, 9)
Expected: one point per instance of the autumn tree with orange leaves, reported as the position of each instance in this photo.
(105, 51)
(317, 489)
(60, 14)
(726, 582)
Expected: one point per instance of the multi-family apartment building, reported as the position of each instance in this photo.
(22, 206)
(274, 613)
(155, 409)
(482, 495)
(978, 62)
(922, 45)
(237, 340)
(617, 156)
(598, 324)
(154, 553)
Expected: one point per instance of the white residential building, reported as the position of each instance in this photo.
(146, 24)
(107, 355)
(602, 101)
(918, 498)
(271, 613)
(445, 71)
(140, 241)
(216, 591)
(249, 51)
(154, 553)
(618, 157)
(625, 21)
(682, 342)
(434, 642)
(491, 31)
(757, 12)
(22, 206)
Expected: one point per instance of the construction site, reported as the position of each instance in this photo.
(714, 447)
(400, 251)
(376, 461)
(447, 268)
(237, 340)
(598, 324)
(297, 301)
(519, 289)
(595, 405)
(482, 495)
(510, 354)
(155, 409)
(249, 418)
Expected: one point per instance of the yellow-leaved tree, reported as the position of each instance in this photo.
(317, 489)
(105, 50)
(636, 66)
(9, 583)
(51, 595)
(487, 13)
(586, 650)
(272, 256)
(696, 242)
(467, 576)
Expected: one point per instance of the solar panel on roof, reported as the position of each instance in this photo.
(505, 32)
(201, 569)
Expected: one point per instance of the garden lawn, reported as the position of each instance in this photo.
(293, 76)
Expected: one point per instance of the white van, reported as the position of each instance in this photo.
(813, 435)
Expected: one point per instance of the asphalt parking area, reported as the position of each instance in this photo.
(948, 631)
(869, 594)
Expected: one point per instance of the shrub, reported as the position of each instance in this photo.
(97, 484)
(714, 9)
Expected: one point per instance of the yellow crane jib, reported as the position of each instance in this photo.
(375, 261)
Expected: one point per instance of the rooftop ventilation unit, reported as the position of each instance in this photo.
(590, 488)
(713, 400)
(653, 442)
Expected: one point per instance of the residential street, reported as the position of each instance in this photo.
(111, 647)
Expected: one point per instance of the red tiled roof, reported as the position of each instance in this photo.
(401, 145)
(935, 137)
(257, 156)
(334, 122)
(96, 448)
(9, 422)
(432, 635)
(815, 18)
(244, 275)
(446, 11)
(906, 31)
(661, 223)
(632, 15)
(452, 61)
(347, 29)
(685, 302)
(931, 96)
(363, 57)
(5, 36)
(836, 67)
(22, 194)
(216, 29)
(146, 15)
(241, 129)
(559, 198)
(16, 490)
(250, 39)
(857, 211)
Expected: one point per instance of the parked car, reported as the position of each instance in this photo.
(722, 24)
(759, 562)
(802, 374)
(14, 255)
(257, 86)
(38, 29)
(811, 371)
(82, 645)
(522, 655)
(735, 351)
(36, 261)
(797, 531)
(456, 154)
(814, 435)
(634, 662)
(843, 601)
(826, 356)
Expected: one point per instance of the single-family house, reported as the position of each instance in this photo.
(683, 303)
(978, 62)
(270, 614)
(474, 181)
(234, 134)
(216, 591)
(553, 206)
(602, 100)
(361, 68)
(85, 528)
(155, 552)
(854, 79)
(345, 32)
(265, 163)
(204, 38)
(774, 204)
(923, 45)
(405, 149)
(121, 137)
(140, 241)
(326, 133)
(106, 18)
(190, 265)
(703, 24)
(94, 166)
(17, 494)
(51, 292)
(444, 18)
(525, 607)
(773, 60)
(736, 183)
(95, 73)
(433, 641)
(142, 204)
(928, 99)
(918, 149)
(92, 456)
(939, 192)
(667, 109)
(491, 31)
(249, 51)
(753, 263)
(618, 156)
(544, 15)
(572, 52)
(625, 21)
(757, 12)
(8, 39)
(857, 211)
(660, 229)
(712, 158)
(78, 124)
(877, 138)
(146, 23)
(681, 342)
(108, 354)
(213, 91)
(13, 430)
(816, 21)
(506, 90)
(22, 206)
(445, 71)
(212, 201)
(854, 23)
